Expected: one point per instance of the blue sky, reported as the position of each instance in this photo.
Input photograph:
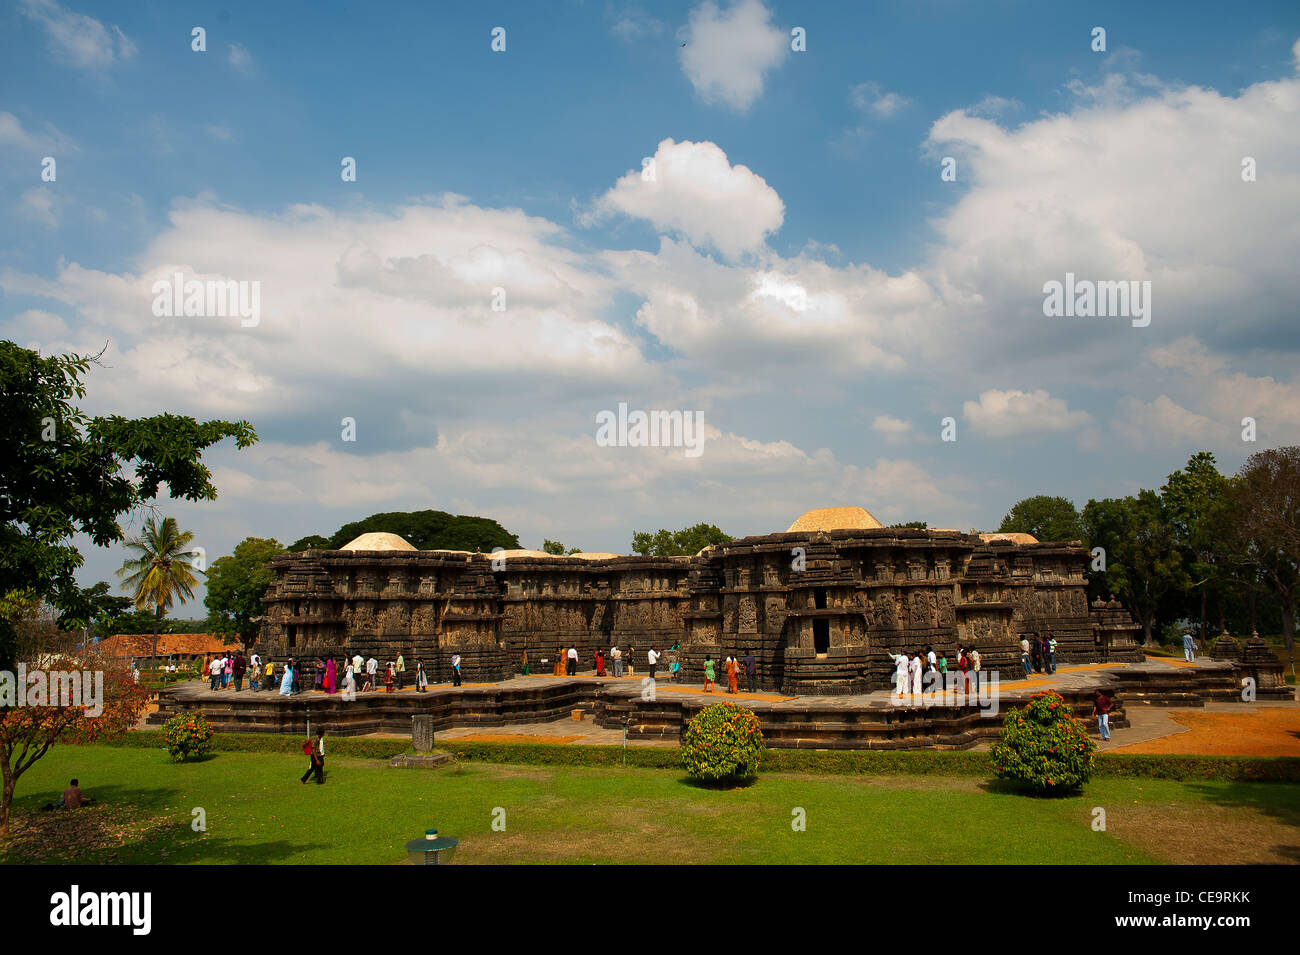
(799, 273)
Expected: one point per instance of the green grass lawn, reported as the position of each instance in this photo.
(257, 812)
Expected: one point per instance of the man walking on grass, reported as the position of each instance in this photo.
(317, 753)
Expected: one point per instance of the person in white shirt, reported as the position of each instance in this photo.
(372, 667)
(914, 668)
(1024, 655)
(215, 669)
(900, 673)
(975, 666)
(358, 664)
(616, 655)
(573, 661)
(652, 658)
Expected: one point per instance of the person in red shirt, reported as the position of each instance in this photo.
(1101, 706)
(600, 663)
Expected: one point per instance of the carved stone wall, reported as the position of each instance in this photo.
(824, 624)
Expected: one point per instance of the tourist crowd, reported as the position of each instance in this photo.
(229, 670)
(915, 672)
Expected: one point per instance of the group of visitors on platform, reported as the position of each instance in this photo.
(618, 663)
(1038, 654)
(327, 675)
(615, 662)
(916, 672)
(229, 668)
(732, 667)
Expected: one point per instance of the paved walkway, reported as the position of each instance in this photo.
(1081, 677)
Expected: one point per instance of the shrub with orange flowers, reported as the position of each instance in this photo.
(1044, 748)
(723, 743)
(187, 736)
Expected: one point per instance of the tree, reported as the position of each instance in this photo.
(1143, 562)
(1269, 520)
(555, 547)
(432, 530)
(914, 525)
(1046, 518)
(110, 609)
(1199, 506)
(161, 570)
(28, 732)
(63, 472)
(684, 543)
(236, 585)
(311, 541)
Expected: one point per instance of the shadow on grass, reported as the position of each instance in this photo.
(127, 826)
(1009, 787)
(1277, 800)
(718, 785)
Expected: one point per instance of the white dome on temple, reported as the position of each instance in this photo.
(835, 519)
(377, 540)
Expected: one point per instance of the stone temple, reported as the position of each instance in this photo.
(821, 605)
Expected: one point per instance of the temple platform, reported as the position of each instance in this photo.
(612, 707)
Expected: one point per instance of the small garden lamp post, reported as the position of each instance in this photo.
(431, 850)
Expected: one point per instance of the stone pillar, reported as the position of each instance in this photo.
(422, 732)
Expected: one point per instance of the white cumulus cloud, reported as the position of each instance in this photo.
(729, 52)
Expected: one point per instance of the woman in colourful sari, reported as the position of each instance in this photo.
(331, 675)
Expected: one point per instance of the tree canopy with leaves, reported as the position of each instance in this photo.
(1046, 518)
(555, 547)
(1267, 492)
(423, 530)
(63, 472)
(1142, 560)
(683, 543)
(236, 585)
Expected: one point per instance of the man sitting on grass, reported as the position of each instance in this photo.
(73, 798)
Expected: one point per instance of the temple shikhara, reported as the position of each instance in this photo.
(821, 605)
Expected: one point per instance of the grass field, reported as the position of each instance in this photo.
(257, 812)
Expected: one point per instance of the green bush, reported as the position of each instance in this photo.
(723, 743)
(187, 736)
(1044, 748)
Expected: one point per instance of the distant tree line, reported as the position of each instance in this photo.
(683, 543)
(1222, 551)
(423, 530)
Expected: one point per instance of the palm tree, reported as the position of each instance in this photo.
(160, 570)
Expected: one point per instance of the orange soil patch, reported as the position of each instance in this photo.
(769, 697)
(1041, 680)
(1274, 731)
(512, 738)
